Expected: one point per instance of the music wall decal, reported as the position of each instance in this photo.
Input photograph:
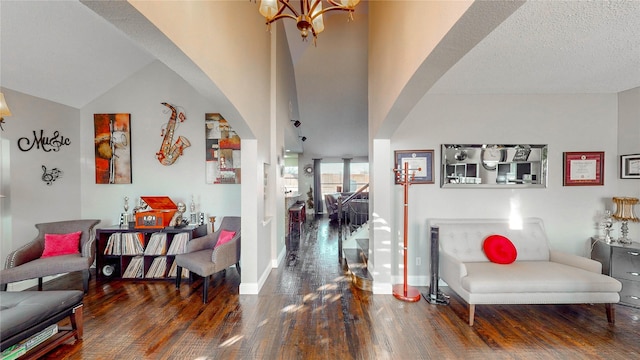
(49, 176)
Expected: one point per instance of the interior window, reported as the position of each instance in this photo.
(331, 177)
(291, 173)
(359, 175)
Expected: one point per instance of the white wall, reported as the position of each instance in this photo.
(200, 30)
(284, 97)
(76, 194)
(5, 202)
(404, 62)
(304, 181)
(141, 95)
(32, 200)
(629, 123)
(629, 143)
(396, 52)
(240, 69)
(381, 199)
(564, 122)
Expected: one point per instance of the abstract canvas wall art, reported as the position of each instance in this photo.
(223, 151)
(112, 148)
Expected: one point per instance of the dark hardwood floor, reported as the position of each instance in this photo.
(308, 310)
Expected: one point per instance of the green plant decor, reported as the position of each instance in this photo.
(310, 198)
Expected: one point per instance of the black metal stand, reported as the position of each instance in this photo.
(434, 296)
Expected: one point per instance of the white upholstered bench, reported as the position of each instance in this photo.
(539, 275)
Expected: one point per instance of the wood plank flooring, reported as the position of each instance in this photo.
(308, 310)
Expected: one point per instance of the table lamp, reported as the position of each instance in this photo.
(624, 213)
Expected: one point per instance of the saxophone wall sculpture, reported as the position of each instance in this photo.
(169, 153)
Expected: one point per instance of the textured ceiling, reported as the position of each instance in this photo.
(559, 47)
(64, 52)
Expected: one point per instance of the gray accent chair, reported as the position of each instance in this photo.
(26, 263)
(204, 259)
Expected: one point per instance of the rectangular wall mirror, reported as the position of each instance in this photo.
(493, 166)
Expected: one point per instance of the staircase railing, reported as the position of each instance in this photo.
(356, 214)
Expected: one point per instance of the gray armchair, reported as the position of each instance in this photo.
(204, 259)
(26, 262)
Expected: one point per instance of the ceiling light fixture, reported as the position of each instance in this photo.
(4, 110)
(296, 123)
(309, 19)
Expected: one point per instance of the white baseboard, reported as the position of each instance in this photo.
(254, 288)
(382, 288)
(276, 262)
(248, 289)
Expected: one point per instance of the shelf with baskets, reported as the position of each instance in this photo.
(141, 254)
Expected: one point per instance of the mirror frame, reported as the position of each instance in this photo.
(498, 166)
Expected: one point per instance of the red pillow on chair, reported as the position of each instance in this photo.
(61, 244)
(499, 249)
(224, 237)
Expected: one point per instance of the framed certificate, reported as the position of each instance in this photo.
(583, 168)
(630, 166)
(420, 165)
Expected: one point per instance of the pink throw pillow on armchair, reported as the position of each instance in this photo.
(224, 237)
(61, 244)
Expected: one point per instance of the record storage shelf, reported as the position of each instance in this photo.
(113, 266)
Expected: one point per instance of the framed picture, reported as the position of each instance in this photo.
(420, 165)
(522, 154)
(222, 151)
(112, 140)
(583, 168)
(630, 166)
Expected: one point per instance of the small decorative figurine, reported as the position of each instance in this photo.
(607, 224)
(125, 217)
(310, 198)
(176, 220)
(141, 207)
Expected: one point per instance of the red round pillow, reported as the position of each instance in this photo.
(499, 249)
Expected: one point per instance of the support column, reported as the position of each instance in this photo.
(346, 175)
(317, 186)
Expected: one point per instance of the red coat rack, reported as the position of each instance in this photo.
(403, 291)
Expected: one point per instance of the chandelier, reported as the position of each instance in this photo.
(309, 19)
